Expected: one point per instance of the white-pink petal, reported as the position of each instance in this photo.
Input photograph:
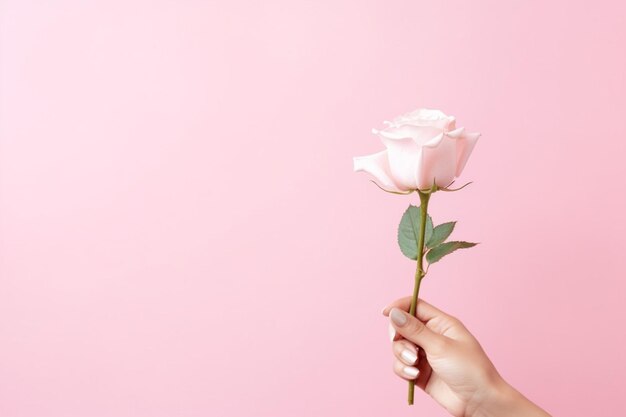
(456, 133)
(464, 147)
(438, 164)
(434, 142)
(420, 134)
(377, 165)
(405, 156)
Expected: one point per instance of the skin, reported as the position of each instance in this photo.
(451, 365)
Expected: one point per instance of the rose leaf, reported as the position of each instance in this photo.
(408, 231)
(440, 234)
(438, 252)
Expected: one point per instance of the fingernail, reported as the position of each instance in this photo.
(392, 332)
(410, 371)
(398, 317)
(408, 356)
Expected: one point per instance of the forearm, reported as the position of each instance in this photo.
(502, 400)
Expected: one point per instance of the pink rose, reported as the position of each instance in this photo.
(423, 147)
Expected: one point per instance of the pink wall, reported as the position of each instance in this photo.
(182, 233)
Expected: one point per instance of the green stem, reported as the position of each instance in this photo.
(419, 271)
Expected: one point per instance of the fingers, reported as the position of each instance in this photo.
(405, 371)
(414, 330)
(424, 311)
(405, 352)
(410, 363)
(393, 335)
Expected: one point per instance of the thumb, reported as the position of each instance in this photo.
(415, 331)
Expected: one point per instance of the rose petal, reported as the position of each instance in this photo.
(451, 123)
(420, 134)
(443, 124)
(457, 133)
(404, 160)
(464, 147)
(425, 117)
(377, 165)
(434, 142)
(426, 114)
(438, 163)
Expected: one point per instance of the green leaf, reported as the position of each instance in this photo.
(429, 228)
(438, 252)
(408, 231)
(440, 234)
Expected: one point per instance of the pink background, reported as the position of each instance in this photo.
(182, 233)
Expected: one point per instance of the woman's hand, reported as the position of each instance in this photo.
(447, 362)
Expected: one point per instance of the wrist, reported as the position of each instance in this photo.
(500, 399)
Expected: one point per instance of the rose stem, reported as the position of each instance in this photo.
(419, 272)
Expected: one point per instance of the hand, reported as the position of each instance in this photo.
(447, 362)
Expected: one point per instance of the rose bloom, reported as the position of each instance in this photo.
(423, 147)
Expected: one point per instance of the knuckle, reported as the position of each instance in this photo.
(416, 327)
(455, 321)
(442, 344)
